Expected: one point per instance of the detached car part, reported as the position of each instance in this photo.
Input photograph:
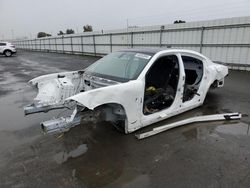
(214, 117)
(131, 88)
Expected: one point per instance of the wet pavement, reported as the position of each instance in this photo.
(214, 154)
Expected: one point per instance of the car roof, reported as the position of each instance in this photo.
(153, 51)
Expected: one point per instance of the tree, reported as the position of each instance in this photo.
(179, 21)
(43, 34)
(60, 33)
(70, 31)
(87, 28)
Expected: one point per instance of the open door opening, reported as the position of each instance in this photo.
(194, 71)
(161, 84)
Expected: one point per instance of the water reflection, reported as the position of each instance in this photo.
(203, 130)
(63, 156)
(95, 152)
(234, 129)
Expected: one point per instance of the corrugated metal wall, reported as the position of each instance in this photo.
(223, 40)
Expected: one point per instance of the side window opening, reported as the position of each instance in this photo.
(194, 72)
(161, 84)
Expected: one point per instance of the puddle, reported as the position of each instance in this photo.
(126, 181)
(9, 82)
(63, 156)
(234, 129)
(8, 78)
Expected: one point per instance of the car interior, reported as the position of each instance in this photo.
(194, 71)
(161, 84)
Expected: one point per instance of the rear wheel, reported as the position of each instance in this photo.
(7, 53)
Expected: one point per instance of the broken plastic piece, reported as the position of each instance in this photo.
(215, 117)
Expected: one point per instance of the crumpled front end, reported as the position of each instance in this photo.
(53, 92)
(53, 89)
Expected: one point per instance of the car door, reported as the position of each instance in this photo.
(163, 88)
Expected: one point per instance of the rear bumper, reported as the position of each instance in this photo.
(13, 50)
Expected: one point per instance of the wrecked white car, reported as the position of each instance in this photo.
(131, 88)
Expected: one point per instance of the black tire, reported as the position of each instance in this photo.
(8, 53)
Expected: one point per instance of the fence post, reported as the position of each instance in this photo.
(94, 45)
(162, 28)
(71, 44)
(49, 45)
(62, 44)
(40, 45)
(55, 45)
(201, 41)
(82, 44)
(110, 40)
(35, 44)
(44, 45)
(132, 38)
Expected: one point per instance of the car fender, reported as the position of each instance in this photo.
(128, 95)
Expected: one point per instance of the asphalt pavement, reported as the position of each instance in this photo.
(214, 154)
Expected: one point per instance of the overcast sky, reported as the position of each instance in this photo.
(27, 17)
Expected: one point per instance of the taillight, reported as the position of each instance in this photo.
(12, 46)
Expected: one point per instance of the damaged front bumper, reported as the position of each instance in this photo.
(55, 91)
(62, 124)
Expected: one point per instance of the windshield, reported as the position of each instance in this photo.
(120, 66)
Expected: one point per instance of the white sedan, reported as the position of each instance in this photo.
(131, 88)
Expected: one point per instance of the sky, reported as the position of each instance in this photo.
(25, 18)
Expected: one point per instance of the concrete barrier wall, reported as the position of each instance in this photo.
(224, 40)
